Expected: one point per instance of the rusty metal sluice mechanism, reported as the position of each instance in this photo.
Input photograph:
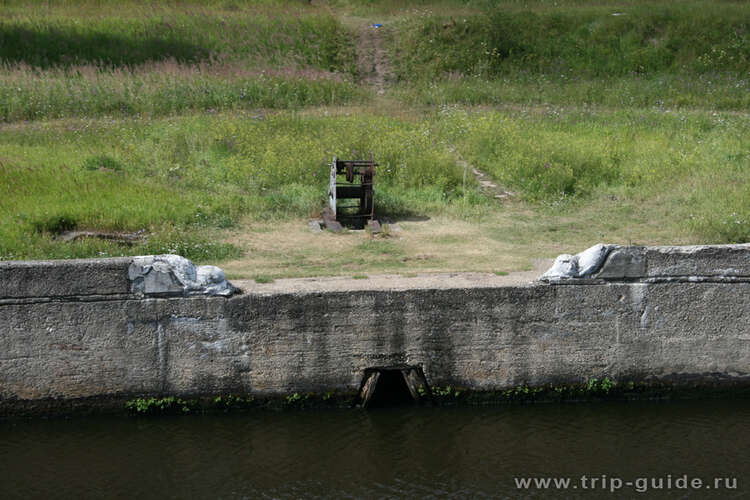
(351, 195)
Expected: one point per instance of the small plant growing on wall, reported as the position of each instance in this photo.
(296, 400)
(232, 402)
(156, 406)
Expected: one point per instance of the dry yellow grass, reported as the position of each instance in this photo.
(512, 238)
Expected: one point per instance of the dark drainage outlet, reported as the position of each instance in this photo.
(393, 386)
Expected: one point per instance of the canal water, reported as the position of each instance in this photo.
(657, 447)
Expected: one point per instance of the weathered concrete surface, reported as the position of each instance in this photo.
(64, 278)
(150, 275)
(652, 264)
(698, 261)
(283, 342)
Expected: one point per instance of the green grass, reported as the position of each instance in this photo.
(274, 37)
(198, 174)
(193, 121)
(165, 59)
(629, 54)
(183, 180)
(712, 91)
(24, 95)
(697, 162)
(641, 38)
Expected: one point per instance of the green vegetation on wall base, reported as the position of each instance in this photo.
(594, 389)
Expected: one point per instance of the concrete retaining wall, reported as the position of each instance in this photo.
(76, 329)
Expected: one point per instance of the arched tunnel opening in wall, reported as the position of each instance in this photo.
(384, 387)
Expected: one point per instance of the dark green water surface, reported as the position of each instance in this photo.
(390, 453)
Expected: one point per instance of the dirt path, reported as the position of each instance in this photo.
(398, 282)
(372, 59)
(485, 183)
(373, 64)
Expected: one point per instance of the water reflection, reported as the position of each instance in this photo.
(389, 453)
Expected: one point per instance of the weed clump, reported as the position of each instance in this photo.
(102, 162)
(55, 224)
(160, 406)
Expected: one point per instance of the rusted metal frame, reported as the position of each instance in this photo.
(332, 189)
(356, 163)
(362, 170)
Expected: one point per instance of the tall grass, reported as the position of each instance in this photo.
(315, 40)
(184, 179)
(632, 54)
(180, 179)
(164, 88)
(116, 76)
(643, 38)
(162, 59)
(712, 91)
(696, 164)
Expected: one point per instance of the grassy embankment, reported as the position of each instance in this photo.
(146, 58)
(611, 54)
(628, 128)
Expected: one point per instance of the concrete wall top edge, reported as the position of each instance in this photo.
(141, 276)
(690, 261)
(60, 278)
(348, 286)
(60, 262)
(653, 263)
(691, 249)
(176, 276)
